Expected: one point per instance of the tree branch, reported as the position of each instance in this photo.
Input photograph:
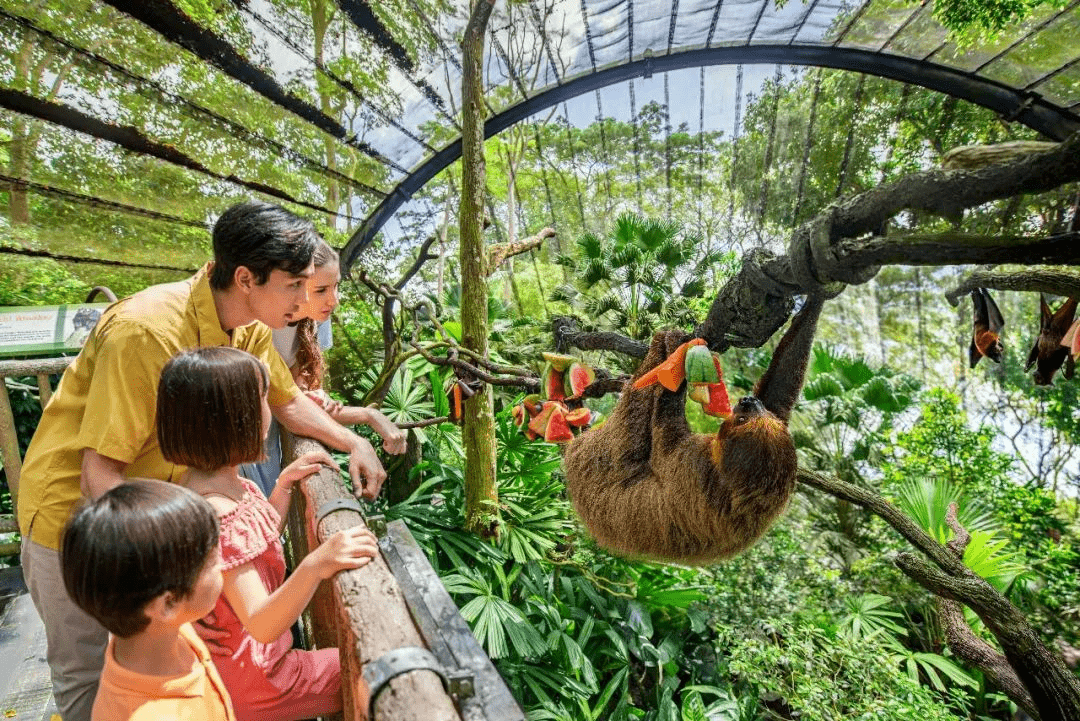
(531, 383)
(1037, 280)
(830, 250)
(958, 248)
(568, 334)
(963, 641)
(422, 257)
(499, 252)
(1054, 690)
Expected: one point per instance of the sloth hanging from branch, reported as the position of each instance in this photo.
(647, 487)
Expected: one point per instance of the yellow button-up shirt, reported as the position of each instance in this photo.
(107, 398)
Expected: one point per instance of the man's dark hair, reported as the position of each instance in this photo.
(262, 238)
(209, 408)
(137, 541)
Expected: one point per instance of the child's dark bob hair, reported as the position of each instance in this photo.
(137, 541)
(209, 408)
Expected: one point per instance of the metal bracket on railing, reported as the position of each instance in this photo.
(376, 524)
(378, 673)
(337, 504)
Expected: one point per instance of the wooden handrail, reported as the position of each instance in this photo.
(362, 612)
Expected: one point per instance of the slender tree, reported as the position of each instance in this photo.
(481, 491)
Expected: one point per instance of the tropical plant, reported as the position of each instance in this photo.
(639, 277)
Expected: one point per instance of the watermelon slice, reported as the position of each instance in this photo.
(579, 417)
(558, 361)
(558, 430)
(578, 378)
(719, 404)
(539, 423)
(553, 383)
(700, 365)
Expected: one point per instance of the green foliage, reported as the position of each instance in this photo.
(941, 446)
(638, 277)
(974, 20)
(822, 677)
(926, 501)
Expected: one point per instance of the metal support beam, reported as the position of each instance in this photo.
(1030, 109)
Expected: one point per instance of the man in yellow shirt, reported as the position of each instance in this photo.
(99, 427)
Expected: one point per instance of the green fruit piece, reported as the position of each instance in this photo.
(558, 430)
(578, 377)
(579, 417)
(559, 362)
(553, 384)
(699, 365)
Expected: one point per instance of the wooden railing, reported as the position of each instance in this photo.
(380, 614)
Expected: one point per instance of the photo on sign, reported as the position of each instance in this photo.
(80, 325)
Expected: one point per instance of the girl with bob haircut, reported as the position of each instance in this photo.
(143, 561)
(212, 415)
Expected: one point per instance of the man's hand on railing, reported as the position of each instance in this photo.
(366, 471)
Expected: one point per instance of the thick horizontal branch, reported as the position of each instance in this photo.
(832, 249)
(948, 192)
(960, 248)
(1033, 280)
(569, 335)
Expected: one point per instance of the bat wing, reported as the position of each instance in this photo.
(978, 304)
(1033, 355)
(1063, 316)
(974, 354)
(993, 315)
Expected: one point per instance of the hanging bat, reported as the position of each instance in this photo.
(986, 338)
(1048, 351)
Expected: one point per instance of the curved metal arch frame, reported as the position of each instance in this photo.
(1025, 107)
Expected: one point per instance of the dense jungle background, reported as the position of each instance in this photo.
(650, 218)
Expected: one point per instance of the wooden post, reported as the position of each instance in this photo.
(9, 439)
(368, 611)
(44, 390)
(9, 444)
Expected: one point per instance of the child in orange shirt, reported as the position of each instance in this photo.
(143, 560)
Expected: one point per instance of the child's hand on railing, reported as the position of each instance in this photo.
(351, 548)
(304, 466)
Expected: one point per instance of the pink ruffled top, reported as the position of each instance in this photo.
(249, 534)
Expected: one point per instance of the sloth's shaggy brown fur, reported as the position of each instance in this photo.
(646, 486)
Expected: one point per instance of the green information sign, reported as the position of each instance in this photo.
(49, 329)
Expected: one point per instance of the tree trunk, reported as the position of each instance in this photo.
(21, 143)
(481, 493)
(320, 22)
